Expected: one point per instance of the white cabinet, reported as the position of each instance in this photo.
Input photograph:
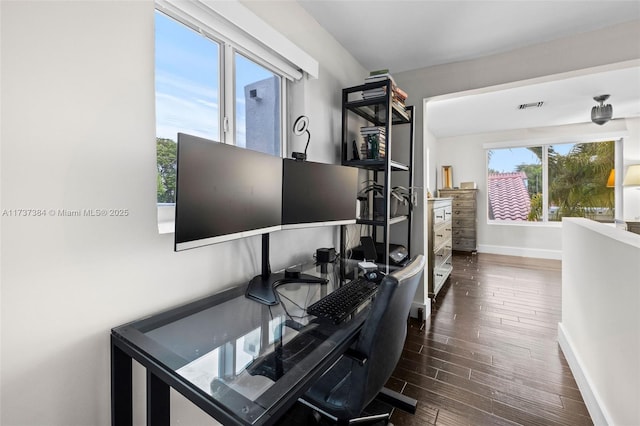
(439, 243)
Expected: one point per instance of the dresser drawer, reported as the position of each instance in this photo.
(464, 214)
(442, 235)
(464, 204)
(439, 215)
(464, 222)
(458, 233)
(459, 195)
(448, 213)
(440, 275)
(441, 256)
(464, 244)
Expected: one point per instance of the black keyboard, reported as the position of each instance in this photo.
(344, 301)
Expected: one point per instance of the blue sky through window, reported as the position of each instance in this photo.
(506, 160)
(187, 81)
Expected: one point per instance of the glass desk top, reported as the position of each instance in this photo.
(246, 359)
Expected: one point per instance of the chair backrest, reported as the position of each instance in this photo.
(384, 332)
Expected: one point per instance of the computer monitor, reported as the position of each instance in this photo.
(313, 194)
(224, 192)
(317, 194)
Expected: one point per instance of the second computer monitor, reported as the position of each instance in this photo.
(317, 194)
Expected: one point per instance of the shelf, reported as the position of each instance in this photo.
(376, 165)
(375, 111)
(380, 222)
(379, 110)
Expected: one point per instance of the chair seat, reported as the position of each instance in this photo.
(331, 391)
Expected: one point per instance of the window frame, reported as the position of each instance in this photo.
(545, 144)
(227, 86)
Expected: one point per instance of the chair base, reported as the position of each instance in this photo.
(398, 400)
(386, 396)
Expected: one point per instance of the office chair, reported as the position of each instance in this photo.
(359, 376)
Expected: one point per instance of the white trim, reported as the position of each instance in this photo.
(549, 224)
(166, 218)
(232, 22)
(223, 238)
(520, 251)
(597, 410)
(426, 308)
(316, 224)
(229, 90)
(537, 80)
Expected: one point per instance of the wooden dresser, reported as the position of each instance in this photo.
(463, 218)
(633, 227)
(439, 244)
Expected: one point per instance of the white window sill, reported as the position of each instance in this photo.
(166, 218)
(525, 223)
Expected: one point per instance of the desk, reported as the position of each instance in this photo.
(206, 350)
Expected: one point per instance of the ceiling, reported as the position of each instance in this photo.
(566, 101)
(405, 35)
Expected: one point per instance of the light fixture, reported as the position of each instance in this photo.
(632, 177)
(299, 128)
(602, 113)
(611, 182)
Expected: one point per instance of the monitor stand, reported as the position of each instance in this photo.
(262, 288)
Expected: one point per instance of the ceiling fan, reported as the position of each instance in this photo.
(602, 113)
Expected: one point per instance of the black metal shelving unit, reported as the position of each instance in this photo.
(379, 111)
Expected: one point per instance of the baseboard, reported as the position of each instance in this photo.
(520, 251)
(413, 313)
(597, 410)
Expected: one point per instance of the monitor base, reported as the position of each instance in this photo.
(263, 289)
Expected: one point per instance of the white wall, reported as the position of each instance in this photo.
(78, 131)
(608, 46)
(631, 195)
(601, 318)
(533, 240)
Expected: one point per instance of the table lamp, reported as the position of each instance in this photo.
(632, 178)
(611, 182)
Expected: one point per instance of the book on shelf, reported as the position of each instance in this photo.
(374, 142)
(372, 129)
(378, 72)
(372, 146)
(400, 106)
(398, 95)
(377, 78)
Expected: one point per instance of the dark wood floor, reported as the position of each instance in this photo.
(488, 355)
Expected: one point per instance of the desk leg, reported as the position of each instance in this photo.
(121, 388)
(158, 410)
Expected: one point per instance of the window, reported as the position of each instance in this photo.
(187, 79)
(221, 73)
(190, 98)
(545, 183)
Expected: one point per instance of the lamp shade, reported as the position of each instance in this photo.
(632, 178)
(611, 182)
